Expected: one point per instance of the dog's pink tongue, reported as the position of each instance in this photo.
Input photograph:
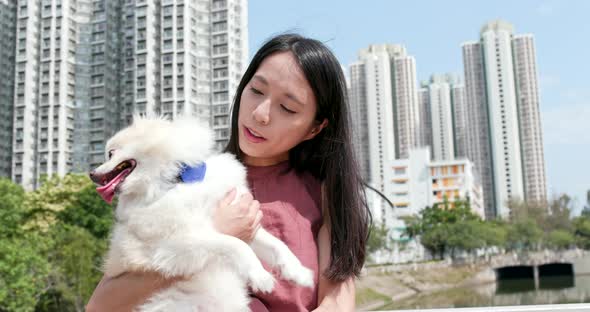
(107, 192)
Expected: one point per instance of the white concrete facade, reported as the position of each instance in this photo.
(418, 182)
(48, 37)
(83, 68)
(441, 106)
(503, 114)
(385, 110)
(505, 139)
(477, 131)
(406, 105)
(380, 119)
(531, 134)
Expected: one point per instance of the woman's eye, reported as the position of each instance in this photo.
(255, 91)
(287, 110)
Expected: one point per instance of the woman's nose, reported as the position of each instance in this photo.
(262, 112)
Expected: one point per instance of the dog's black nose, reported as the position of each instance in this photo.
(93, 176)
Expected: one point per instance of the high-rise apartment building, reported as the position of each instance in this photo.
(48, 37)
(83, 68)
(531, 134)
(384, 102)
(504, 137)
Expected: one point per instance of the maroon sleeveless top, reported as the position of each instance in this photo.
(290, 203)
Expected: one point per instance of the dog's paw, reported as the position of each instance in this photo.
(261, 281)
(298, 274)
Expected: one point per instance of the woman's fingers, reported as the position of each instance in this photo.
(228, 199)
(256, 225)
(241, 218)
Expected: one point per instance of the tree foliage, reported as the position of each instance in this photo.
(582, 231)
(451, 227)
(447, 227)
(560, 239)
(378, 238)
(51, 244)
(88, 211)
(23, 273)
(524, 235)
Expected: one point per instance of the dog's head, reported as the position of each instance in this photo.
(145, 158)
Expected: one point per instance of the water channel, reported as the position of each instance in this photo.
(518, 291)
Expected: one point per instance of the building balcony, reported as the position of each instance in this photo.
(440, 187)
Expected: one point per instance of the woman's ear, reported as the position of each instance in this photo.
(316, 129)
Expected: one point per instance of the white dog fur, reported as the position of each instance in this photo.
(166, 226)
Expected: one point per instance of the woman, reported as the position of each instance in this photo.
(290, 127)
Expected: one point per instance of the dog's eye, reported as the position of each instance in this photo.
(111, 153)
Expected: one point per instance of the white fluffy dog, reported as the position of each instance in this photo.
(165, 225)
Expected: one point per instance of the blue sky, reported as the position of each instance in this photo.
(433, 31)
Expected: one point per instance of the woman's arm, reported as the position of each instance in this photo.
(332, 296)
(126, 291)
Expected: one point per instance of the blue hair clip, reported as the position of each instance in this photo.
(190, 174)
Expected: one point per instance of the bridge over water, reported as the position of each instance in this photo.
(539, 264)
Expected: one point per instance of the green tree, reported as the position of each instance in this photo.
(586, 210)
(76, 260)
(55, 194)
(51, 244)
(23, 268)
(378, 238)
(23, 272)
(494, 233)
(466, 236)
(549, 217)
(89, 211)
(524, 235)
(582, 232)
(413, 226)
(79, 231)
(12, 213)
(445, 226)
(560, 239)
(435, 239)
(521, 210)
(559, 217)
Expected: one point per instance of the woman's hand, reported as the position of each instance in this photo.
(240, 219)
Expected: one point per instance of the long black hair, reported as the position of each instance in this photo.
(329, 155)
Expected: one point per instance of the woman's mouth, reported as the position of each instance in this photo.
(252, 136)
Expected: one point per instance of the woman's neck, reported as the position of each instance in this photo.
(264, 161)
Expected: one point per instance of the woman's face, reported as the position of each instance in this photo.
(277, 111)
